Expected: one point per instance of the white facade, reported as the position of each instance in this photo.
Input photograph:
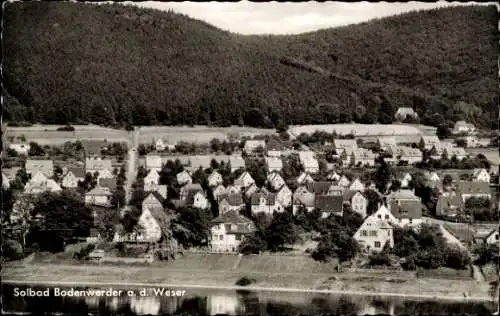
(218, 191)
(152, 177)
(481, 175)
(184, 178)
(374, 234)
(359, 204)
(356, 185)
(304, 178)
(20, 148)
(151, 230)
(284, 196)
(244, 180)
(264, 207)
(70, 180)
(200, 201)
(215, 179)
(275, 180)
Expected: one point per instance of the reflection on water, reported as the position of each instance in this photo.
(211, 302)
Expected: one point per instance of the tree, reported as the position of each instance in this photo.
(383, 176)
(443, 132)
(253, 244)
(282, 231)
(35, 150)
(191, 227)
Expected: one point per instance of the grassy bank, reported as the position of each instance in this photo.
(270, 273)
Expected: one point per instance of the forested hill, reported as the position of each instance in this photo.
(118, 65)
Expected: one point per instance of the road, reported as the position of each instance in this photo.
(132, 164)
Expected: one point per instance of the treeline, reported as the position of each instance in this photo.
(154, 67)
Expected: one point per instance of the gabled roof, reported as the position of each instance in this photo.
(214, 173)
(240, 224)
(448, 201)
(320, 187)
(329, 203)
(306, 199)
(406, 208)
(274, 176)
(406, 151)
(270, 198)
(78, 172)
(237, 162)
(274, 144)
(232, 199)
(254, 144)
(274, 163)
(403, 195)
(345, 143)
(108, 183)
(387, 141)
(98, 164)
(491, 233)
(363, 153)
(349, 194)
(156, 195)
(99, 191)
(456, 151)
(191, 194)
(478, 171)
(471, 187)
(430, 140)
(45, 166)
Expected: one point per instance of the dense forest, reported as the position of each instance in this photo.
(120, 65)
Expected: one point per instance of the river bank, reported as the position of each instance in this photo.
(154, 276)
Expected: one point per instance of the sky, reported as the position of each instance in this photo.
(247, 17)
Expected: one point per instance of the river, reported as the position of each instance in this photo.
(211, 302)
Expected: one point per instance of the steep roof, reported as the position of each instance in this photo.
(430, 140)
(157, 195)
(349, 194)
(240, 224)
(78, 172)
(274, 163)
(270, 198)
(320, 187)
(471, 187)
(191, 194)
(329, 203)
(406, 209)
(232, 199)
(99, 191)
(403, 195)
(108, 183)
(306, 199)
(192, 187)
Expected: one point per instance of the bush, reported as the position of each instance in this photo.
(67, 128)
(83, 254)
(379, 259)
(244, 281)
(12, 250)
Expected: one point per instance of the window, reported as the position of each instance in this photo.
(364, 233)
(386, 216)
(496, 237)
(411, 220)
(373, 233)
(379, 216)
(377, 244)
(221, 237)
(238, 237)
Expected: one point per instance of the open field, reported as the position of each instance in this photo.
(197, 134)
(222, 277)
(491, 154)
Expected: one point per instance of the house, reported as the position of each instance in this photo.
(309, 162)
(197, 199)
(356, 185)
(329, 204)
(344, 182)
(233, 189)
(98, 196)
(374, 234)
(218, 191)
(236, 162)
(345, 145)
(320, 187)
(362, 157)
(10, 173)
(230, 202)
(409, 154)
(214, 179)
(274, 148)
(468, 189)
(304, 178)
(405, 180)
(275, 181)
(429, 142)
(102, 166)
(432, 176)
(154, 221)
(154, 200)
(274, 164)
(20, 148)
(153, 177)
(265, 203)
(245, 180)
(109, 183)
(153, 162)
(5, 182)
(228, 230)
(183, 178)
(462, 127)
(251, 190)
(384, 214)
(252, 145)
(357, 201)
(44, 166)
(161, 189)
(40, 183)
(406, 207)
(333, 176)
(94, 236)
(386, 142)
(481, 175)
(300, 190)
(492, 237)
(306, 200)
(404, 113)
(458, 152)
(72, 177)
(449, 205)
(189, 187)
(284, 196)
(471, 141)
(159, 144)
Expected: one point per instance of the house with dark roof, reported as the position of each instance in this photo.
(93, 147)
(320, 187)
(266, 203)
(357, 201)
(252, 145)
(492, 237)
(305, 199)
(72, 177)
(218, 191)
(468, 189)
(406, 207)
(109, 183)
(275, 180)
(228, 230)
(244, 180)
(329, 204)
(99, 196)
(284, 196)
(374, 234)
(230, 202)
(154, 223)
(449, 205)
(153, 199)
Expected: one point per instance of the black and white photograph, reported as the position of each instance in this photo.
(250, 158)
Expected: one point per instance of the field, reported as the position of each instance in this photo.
(197, 134)
(491, 154)
(359, 129)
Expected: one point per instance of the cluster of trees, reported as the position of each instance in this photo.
(479, 161)
(427, 248)
(369, 69)
(481, 209)
(115, 149)
(321, 137)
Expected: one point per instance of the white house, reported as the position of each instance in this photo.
(345, 145)
(384, 214)
(405, 180)
(153, 177)
(229, 230)
(404, 113)
(265, 203)
(305, 199)
(98, 196)
(304, 178)
(230, 202)
(356, 185)
(151, 221)
(386, 142)
(214, 179)
(469, 189)
(244, 180)
(198, 200)
(161, 189)
(471, 141)
(481, 175)
(218, 191)
(374, 234)
(428, 142)
(409, 154)
(433, 176)
(252, 145)
(153, 200)
(309, 162)
(233, 189)
(284, 196)
(72, 177)
(463, 127)
(358, 202)
(46, 167)
(362, 157)
(5, 182)
(184, 178)
(274, 164)
(251, 190)
(333, 176)
(344, 182)
(20, 148)
(406, 207)
(40, 183)
(103, 167)
(275, 180)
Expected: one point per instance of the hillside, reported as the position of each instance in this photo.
(117, 65)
